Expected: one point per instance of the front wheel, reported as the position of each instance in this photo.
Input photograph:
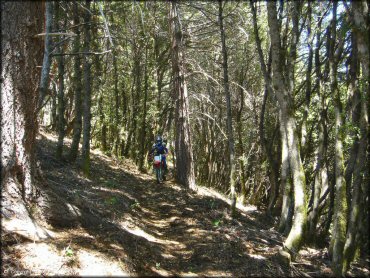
(158, 174)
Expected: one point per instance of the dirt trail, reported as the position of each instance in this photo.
(120, 222)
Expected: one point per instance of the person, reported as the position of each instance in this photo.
(159, 147)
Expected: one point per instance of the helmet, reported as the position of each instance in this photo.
(158, 139)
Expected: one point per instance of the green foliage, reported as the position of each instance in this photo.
(111, 184)
(68, 252)
(112, 201)
(216, 222)
(135, 205)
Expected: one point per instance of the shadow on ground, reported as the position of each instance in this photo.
(154, 229)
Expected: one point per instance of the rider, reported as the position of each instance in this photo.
(159, 147)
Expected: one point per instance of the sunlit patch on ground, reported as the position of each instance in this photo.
(135, 230)
(92, 263)
(204, 191)
(42, 259)
(45, 259)
(258, 257)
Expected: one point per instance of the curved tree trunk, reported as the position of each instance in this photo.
(284, 95)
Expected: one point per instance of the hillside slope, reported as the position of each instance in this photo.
(120, 222)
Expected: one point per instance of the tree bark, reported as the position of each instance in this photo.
(284, 95)
(87, 97)
(230, 135)
(77, 125)
(143, 123)
(361, 29)
(183, 146)
(321, 175)
(340, 203)
(272, 162)
(61, 104)
(21, 54)
(54, 119)
(243, 191)
(44, 82)
(117, 122)
(354, 112)
(285, 222)
(308, 83)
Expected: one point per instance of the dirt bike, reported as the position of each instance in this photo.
(159, 168)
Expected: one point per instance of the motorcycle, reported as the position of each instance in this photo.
(159, 169)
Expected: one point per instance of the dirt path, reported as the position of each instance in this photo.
(120, 222)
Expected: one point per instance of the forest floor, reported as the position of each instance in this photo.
(120, 222)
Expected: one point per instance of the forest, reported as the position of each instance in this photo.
(263, 106)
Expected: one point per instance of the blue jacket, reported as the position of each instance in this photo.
(159, 148)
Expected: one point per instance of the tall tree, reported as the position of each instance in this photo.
(340, 205)
(145, 102)
(77, 124)
(360, 11)
(87, 94)
(273, 163)
(21, 53)
(321, 175)
(284, 90)
(183, 146)
(44, 81)
(230, 136)
(61, 102)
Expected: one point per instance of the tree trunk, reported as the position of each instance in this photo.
(284, 96)
(243, 192)
(21, 53)
(117, 121)
(340, 204)
(308, 83)
(54, 119)
(354, 113)
(44, 82)
(87, 97)
(361, 13)
(61, 104)
(321, 176)
(285, 223)
(361, 29)
(272, 162)
(230, 136)
(77, 125)
(143, 123)
(183, 146)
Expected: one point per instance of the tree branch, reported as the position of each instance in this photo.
(82, 53)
